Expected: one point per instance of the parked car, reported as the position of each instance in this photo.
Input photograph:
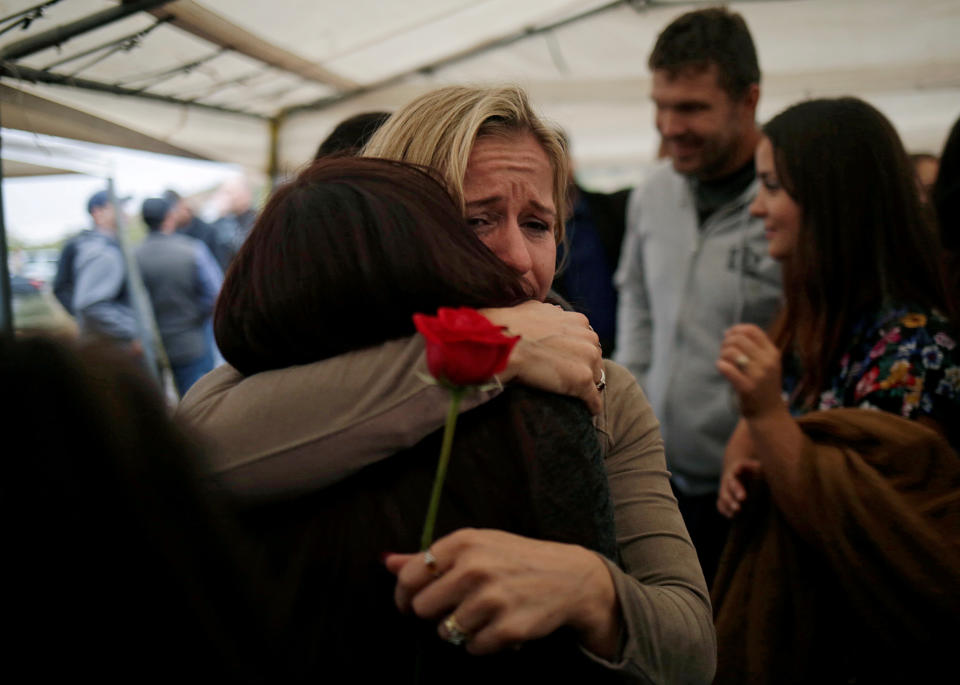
(36, 309)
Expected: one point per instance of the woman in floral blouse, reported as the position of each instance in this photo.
(842, 564)
(867, 321)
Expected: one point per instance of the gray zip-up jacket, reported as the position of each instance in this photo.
(680, 287)
(101, 297)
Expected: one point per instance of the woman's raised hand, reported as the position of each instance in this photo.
(558, 351)
(751, 362)
(501, 590)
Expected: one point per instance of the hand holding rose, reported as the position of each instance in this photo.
(464, 350)
(503, 590)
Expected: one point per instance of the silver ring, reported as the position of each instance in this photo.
(431, 562)
(602, 383)
(741, 361)
(455, 633)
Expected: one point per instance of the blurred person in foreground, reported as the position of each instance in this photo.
(119, 563)
(182, 279)
(946, 204)
(844, 561)
(641, 617)
(693, 260)
(350, 135)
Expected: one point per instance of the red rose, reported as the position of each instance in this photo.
(463, 347)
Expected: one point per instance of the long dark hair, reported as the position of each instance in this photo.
(342, 256)
(946, 202)
(864, 238)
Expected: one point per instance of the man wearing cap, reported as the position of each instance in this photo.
(183, 279)
(94, 265)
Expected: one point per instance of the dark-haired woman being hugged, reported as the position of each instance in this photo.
(318, 329)
(844, 561)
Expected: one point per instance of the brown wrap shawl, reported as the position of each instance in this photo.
(874, 594)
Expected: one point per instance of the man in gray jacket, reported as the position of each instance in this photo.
(694, 261)
(183, 280)
(98, 287)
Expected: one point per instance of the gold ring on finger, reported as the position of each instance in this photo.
(455, 633)
(742, 360)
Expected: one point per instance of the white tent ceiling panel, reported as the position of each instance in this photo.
(30, 113)
(476, 25)
(213, 135)
(589, 74)
(821, 34)
(237, 82)
(322, 31)
(217, 66)
(162, 47)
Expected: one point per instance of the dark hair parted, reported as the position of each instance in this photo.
(697, 39)
(342, 256)
(864, 238)
(351, 134)
(946, 203)
(946, 191)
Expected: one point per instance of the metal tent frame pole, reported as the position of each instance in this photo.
(61, 34)
(6, 302)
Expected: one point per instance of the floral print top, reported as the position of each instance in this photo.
(904, 361)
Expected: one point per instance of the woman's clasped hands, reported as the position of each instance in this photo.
(558, 351)
(493, 590)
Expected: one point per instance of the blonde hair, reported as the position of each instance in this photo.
(438, 130)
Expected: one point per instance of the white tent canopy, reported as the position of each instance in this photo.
(261, 83)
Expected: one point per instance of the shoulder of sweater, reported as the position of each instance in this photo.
(625, 404)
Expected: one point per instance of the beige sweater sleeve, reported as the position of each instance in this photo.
(298, 429)
(302, 428)
(669, 634)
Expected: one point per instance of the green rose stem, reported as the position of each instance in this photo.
(456, 393)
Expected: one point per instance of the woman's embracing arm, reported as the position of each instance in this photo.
(669, 634)
(293, 430)
(298, 429)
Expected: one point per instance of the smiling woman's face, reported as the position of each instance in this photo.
(781, 214)
(508, 193)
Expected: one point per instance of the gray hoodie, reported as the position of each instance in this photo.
(101, 294)
(680, 286)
